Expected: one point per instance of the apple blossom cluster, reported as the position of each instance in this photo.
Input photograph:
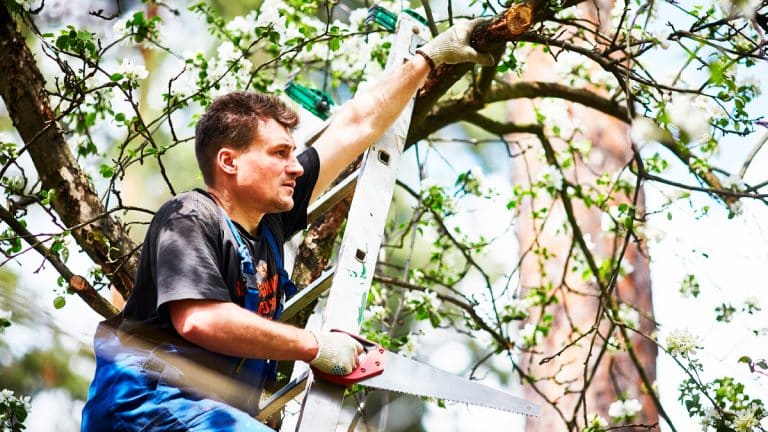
(423, 299)
(530, 335)
(745, 420)
(596, 423)
(628, 316)
(131, 71)
(550, 178)
(624, 409)
(13, 410)
(681, 342)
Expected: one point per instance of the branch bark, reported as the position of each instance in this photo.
(490, 37)
(22, 87)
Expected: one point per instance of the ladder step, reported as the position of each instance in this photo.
(329, 199)
(308, 295)
(287, 393)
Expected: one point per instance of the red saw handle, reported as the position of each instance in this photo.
(372, 364)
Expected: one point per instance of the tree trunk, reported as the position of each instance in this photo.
(22, 87)
(615, 374)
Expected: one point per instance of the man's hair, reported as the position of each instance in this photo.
(232, 120)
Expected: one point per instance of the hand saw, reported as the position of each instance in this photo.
(385, 370)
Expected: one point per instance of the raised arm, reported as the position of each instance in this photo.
(364, 119)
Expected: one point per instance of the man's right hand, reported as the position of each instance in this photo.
(453, 46)
(337, 353)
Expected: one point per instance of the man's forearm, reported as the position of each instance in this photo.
(365, 118)
(228, 329)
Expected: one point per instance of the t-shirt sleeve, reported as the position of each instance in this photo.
(296, 219)
(187, 266)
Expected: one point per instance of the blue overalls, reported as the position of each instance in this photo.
(137, 388)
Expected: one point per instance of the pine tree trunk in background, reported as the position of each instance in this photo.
(615, 373)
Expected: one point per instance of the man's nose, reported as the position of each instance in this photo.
(294, 167)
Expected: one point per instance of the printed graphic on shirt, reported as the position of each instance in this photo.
(267, 290)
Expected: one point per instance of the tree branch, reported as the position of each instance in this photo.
(78, 283)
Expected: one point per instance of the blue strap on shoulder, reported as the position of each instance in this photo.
(285, 283)
(252, 297)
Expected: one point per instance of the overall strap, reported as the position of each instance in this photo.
(288, 287)
(252, 297)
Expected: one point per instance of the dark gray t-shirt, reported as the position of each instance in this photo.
(189, 252)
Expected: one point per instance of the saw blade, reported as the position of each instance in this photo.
(404, 375)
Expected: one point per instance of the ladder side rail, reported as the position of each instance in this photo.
(321, 407)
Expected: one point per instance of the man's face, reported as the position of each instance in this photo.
(267, 170)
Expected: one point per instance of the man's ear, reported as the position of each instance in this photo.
(226, 160)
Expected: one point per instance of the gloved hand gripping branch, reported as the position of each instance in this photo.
(337, 353)
(453, 46)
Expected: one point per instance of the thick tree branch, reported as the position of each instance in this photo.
(491, 37)
(22, 87)
(531, 90)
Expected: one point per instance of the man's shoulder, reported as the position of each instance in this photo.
(195, 203)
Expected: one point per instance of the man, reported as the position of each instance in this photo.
(190, 350)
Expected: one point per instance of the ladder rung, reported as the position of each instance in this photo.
(329, 199)
(287, 393)
(308, 295)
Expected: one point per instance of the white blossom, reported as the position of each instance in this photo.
(629, 316)
(683, 113)
(750, 303)
(557, 118)
(689, 287)
(227, 52)
(120, 28)
(519, 307)
(408, 349)
(588, 241)
(427, 298)
(596, 421)
(377, 312)
(626, 266)
(551, 177)
(662, 36)
(734, 182)
(242, 26)
(746, 8)
(5, 315)
(682, 342)
(357, 19)
(185, 85)
(644, 130)
(132, 71)
(624, 409)
(746, 78)
(736, 208)
(530, 335)
(709, 418)
(746, 420)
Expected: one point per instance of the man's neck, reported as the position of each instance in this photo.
(248, 219)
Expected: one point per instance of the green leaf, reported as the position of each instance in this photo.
(59, 302)
(334, 44)
(62, 42)
(106, 171)
(116, 77)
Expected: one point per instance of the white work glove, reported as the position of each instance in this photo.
(337, 353)
(452, 46)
